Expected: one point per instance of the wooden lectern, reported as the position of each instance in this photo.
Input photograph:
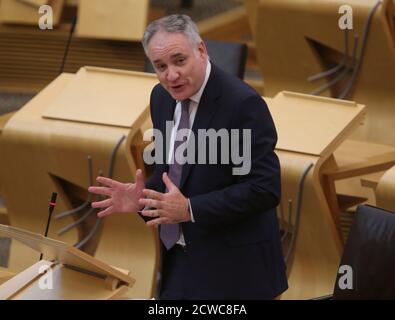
(67, 274)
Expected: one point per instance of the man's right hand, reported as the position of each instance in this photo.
(123, 197)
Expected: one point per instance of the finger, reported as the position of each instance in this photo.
(151, 203)
(139, 179)
(156, 222)
(169, 184)
(100, 190)
(102, 204)
(106, 212)
(108, 182)
(151, 213)
(152, 194)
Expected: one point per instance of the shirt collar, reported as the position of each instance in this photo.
(196, 97)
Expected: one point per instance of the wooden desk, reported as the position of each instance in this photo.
(309, 130)
(113, 20)
(73, 117)
(296, 39)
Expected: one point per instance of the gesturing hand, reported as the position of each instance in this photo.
(123, 197)
(171, 207)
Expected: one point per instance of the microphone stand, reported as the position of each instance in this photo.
(66, 52)
(52, 205)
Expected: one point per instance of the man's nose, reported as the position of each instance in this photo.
(172, 75)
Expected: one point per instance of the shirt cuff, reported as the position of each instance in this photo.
(190, 210)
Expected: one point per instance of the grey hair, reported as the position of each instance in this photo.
(175, 23)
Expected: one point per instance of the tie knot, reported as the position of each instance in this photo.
(185, 104)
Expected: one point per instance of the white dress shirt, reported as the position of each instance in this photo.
(193, 106)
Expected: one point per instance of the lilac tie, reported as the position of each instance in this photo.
(170, 233)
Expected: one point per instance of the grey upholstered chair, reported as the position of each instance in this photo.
(366, 269)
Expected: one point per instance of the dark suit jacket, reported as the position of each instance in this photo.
(234, 245)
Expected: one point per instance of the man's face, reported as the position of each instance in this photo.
(179, 64)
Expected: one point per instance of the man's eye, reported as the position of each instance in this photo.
(181, 60)
(161, 67)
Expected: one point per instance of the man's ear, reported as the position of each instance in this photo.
(202, 49)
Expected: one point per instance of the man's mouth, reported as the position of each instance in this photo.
(177, 87)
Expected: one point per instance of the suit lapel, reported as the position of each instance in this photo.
(205, 112)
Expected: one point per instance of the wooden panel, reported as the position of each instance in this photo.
(5, 275)
(3, 215)
(31, 58)
(115, 19)
(63, 253)
(67, 284)
(21, 280)
(104, 96)
(371, 180)
(230, 25)
(4, 119)
(36, 3)
(312, 125)
(385, 191)
(12, 11)
(312, 266)
(296, 39)
(70, 285)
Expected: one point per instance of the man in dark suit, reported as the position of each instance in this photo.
(218, 224)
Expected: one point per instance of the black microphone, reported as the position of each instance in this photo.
(51, 207)
(52, 203)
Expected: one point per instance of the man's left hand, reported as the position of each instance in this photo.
(170, 207)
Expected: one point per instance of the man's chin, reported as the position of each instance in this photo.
(179, 95)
